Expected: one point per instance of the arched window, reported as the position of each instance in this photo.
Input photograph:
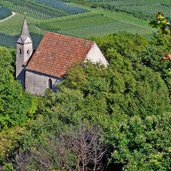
(50, 84)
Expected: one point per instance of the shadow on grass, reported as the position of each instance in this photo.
(10, 41)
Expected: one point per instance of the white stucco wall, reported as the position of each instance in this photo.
(23, 53)
(95, 56)
(36, 83)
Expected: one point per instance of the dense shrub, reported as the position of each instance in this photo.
(128, 101)
(15, 104)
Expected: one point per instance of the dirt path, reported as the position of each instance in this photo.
(13, 13)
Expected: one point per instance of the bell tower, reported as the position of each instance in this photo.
(24, 52)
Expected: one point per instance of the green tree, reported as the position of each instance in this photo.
(159, 46)
(14, 103)
(129, 101)
(162, 23)
(144, 143)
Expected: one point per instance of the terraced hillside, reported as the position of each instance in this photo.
(90, 19)
(42, 9)
(139, 8)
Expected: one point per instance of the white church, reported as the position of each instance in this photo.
(46, 66)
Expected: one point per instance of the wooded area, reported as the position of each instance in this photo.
(114, 118)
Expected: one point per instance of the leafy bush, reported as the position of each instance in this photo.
(128, 101)
(9, 141)
(14, 102)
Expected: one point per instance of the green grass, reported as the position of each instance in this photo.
(103, 29)
(13, 25)
(95, 22)
(75, 22)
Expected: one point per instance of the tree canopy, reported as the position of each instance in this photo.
(116, 117)
(128, 102)
(14, 102)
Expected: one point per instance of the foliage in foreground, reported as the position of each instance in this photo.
(15, 104)
(9, 141)
(128, 101)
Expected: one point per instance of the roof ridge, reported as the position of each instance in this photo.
(69, 36)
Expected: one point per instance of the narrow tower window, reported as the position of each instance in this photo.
(28, 52)
(20, 51)
(50, 84)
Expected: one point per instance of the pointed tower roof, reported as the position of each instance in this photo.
(24, 36)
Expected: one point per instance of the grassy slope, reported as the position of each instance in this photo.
(13, 25)
(139, 8)
(95, 22)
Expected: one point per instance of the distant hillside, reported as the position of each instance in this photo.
(83, 18)
(144, 9)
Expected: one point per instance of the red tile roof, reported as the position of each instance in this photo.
(56, 53)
